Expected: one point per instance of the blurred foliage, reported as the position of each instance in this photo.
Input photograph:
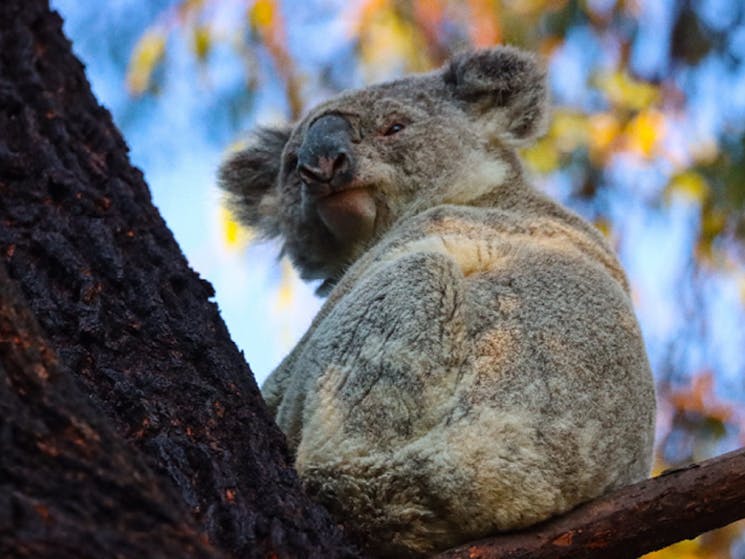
(634, 102)
(148, 54)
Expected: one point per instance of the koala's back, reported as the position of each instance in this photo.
(477, 366)
(479, 369)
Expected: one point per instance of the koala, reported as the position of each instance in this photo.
(477, 365)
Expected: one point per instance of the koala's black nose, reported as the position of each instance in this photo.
(324, 158)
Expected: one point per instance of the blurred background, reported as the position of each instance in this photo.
(647, 142)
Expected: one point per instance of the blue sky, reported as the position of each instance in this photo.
(179, 137)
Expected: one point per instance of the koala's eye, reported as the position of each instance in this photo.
(394, 128)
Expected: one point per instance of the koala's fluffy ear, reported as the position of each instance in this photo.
(503, 87)
(249, 177)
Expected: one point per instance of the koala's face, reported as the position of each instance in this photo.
(342, 176)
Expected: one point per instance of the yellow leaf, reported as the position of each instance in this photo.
(659, 466)
(366, 13)
(604, 226)
(645, 132)
(387, 40)
(570, 130)
(625, 92)
(147, 53)
(262, 14)
(687, 549)
(234, 235)
(713, 222)
(285, 292)
(690, 185)
(604, 130)
(202, 41)
(542, 157)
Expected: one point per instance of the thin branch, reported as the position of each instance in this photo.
(637, 519)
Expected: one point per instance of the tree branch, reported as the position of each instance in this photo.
(634, 520)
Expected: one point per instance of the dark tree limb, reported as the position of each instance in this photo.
(637, 519)
(125, 314)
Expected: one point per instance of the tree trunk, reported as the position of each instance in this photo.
(70, 487)
(147, 372)
(130, 425)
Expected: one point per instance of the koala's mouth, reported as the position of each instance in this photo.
(349, 213)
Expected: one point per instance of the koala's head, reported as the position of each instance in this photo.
(337, 180)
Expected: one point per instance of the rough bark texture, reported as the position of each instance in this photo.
(635, 520)
(125, 314)
(69, 486)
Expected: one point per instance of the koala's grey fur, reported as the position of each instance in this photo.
(477, 366)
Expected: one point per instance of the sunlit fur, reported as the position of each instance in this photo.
(477, 366)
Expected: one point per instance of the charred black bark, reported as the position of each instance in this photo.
(127, 317)
(69, 486)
